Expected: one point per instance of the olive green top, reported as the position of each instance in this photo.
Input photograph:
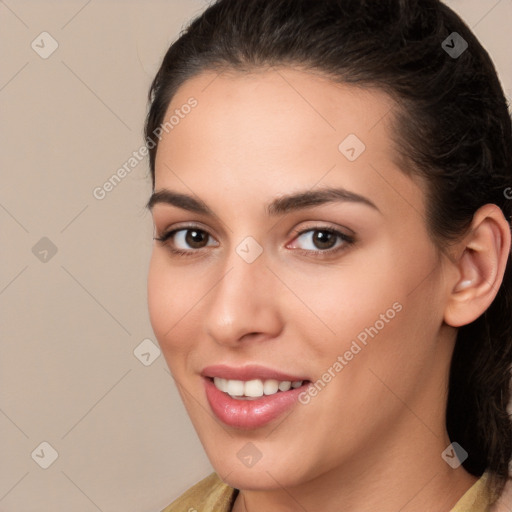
(213, 495)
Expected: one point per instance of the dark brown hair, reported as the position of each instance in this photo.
(453, 129)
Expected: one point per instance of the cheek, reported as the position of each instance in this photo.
(168, 302)
(376, 312)
(159, 298)
(390, 342)
(342, 301)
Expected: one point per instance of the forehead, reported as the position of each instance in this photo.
(286, 102)
(278, 110)
(277, 129)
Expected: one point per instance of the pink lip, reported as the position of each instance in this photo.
(256, 412)
(249, 414)
(248, 372)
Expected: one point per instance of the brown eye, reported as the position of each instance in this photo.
(195, 238)
(186, 241)
(324, 239)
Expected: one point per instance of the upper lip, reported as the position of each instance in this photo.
(248, 372)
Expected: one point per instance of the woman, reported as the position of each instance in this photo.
(331, 278)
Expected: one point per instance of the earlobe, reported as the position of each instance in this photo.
(480, 267)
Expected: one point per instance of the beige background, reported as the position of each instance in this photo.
(70, 321)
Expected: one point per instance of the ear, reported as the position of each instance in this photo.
(480, 266)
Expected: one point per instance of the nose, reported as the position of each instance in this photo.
(244, 304)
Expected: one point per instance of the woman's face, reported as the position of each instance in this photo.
(283, 281)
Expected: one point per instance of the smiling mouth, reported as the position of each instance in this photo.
(251, 403)
(255, 388)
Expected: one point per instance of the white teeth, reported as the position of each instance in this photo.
(235, 387)
(254, 388)
(221, 384)
(270, 387)
(285, 385)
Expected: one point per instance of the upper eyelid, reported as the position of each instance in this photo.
(318, 226)
(174, 230)
(296, 232)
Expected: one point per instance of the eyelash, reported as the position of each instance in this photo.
(347, 241)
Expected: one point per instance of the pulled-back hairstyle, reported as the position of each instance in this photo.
(452, 128)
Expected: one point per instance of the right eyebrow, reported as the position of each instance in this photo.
(183, 201)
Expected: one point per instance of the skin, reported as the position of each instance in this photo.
(372, 438)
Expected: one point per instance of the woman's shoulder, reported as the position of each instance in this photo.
(209, 495)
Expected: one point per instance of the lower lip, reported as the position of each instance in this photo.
(253, 413)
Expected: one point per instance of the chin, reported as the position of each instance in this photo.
(263, 475)
(249, 479)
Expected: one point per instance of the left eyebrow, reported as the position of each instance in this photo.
(279, 206)
(310, 198)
